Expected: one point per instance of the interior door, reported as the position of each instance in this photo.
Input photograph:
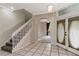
(61, 32)
(73, 34)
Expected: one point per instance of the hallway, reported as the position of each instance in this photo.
(25, 31)
(39, 49)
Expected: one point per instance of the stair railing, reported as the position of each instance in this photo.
(21, 32)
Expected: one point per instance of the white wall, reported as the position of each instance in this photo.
(42, 29)
(34, 34)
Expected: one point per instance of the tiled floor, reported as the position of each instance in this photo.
(39, 49)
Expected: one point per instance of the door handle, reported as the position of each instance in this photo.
(65, 33)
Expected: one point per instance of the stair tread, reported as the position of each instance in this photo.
(7, 48)
(9, 43)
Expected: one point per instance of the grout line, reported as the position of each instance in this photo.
(18, 54)
(24, 47)
(36, 50)
(29, 49)
(71, 52)
(38, 45)
(51, 50)
(66, 52)
(43, 51)
(58, 50)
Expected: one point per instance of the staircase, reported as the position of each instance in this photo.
(17, 36)
(8, 46)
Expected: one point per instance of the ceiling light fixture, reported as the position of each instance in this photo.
(50, 9)
(12, 8)
(50, 14)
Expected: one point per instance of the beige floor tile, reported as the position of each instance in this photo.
(26, 49)
(46, 53)
(71, 54)
(29, 54)
(54, 54)
(48, 48)
(14, 54)
(39, 52)
(32, 50)
(21, 52)
(3, 53)
(54, 48)
(39, 49)
(62, 54)
(36, 54)
(35, 47)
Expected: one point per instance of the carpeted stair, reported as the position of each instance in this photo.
(7, 47)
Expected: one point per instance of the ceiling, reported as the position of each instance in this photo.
(36, 8)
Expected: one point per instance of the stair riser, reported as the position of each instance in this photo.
(7, 50)
(9, 45)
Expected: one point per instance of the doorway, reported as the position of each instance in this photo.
(44, 34)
